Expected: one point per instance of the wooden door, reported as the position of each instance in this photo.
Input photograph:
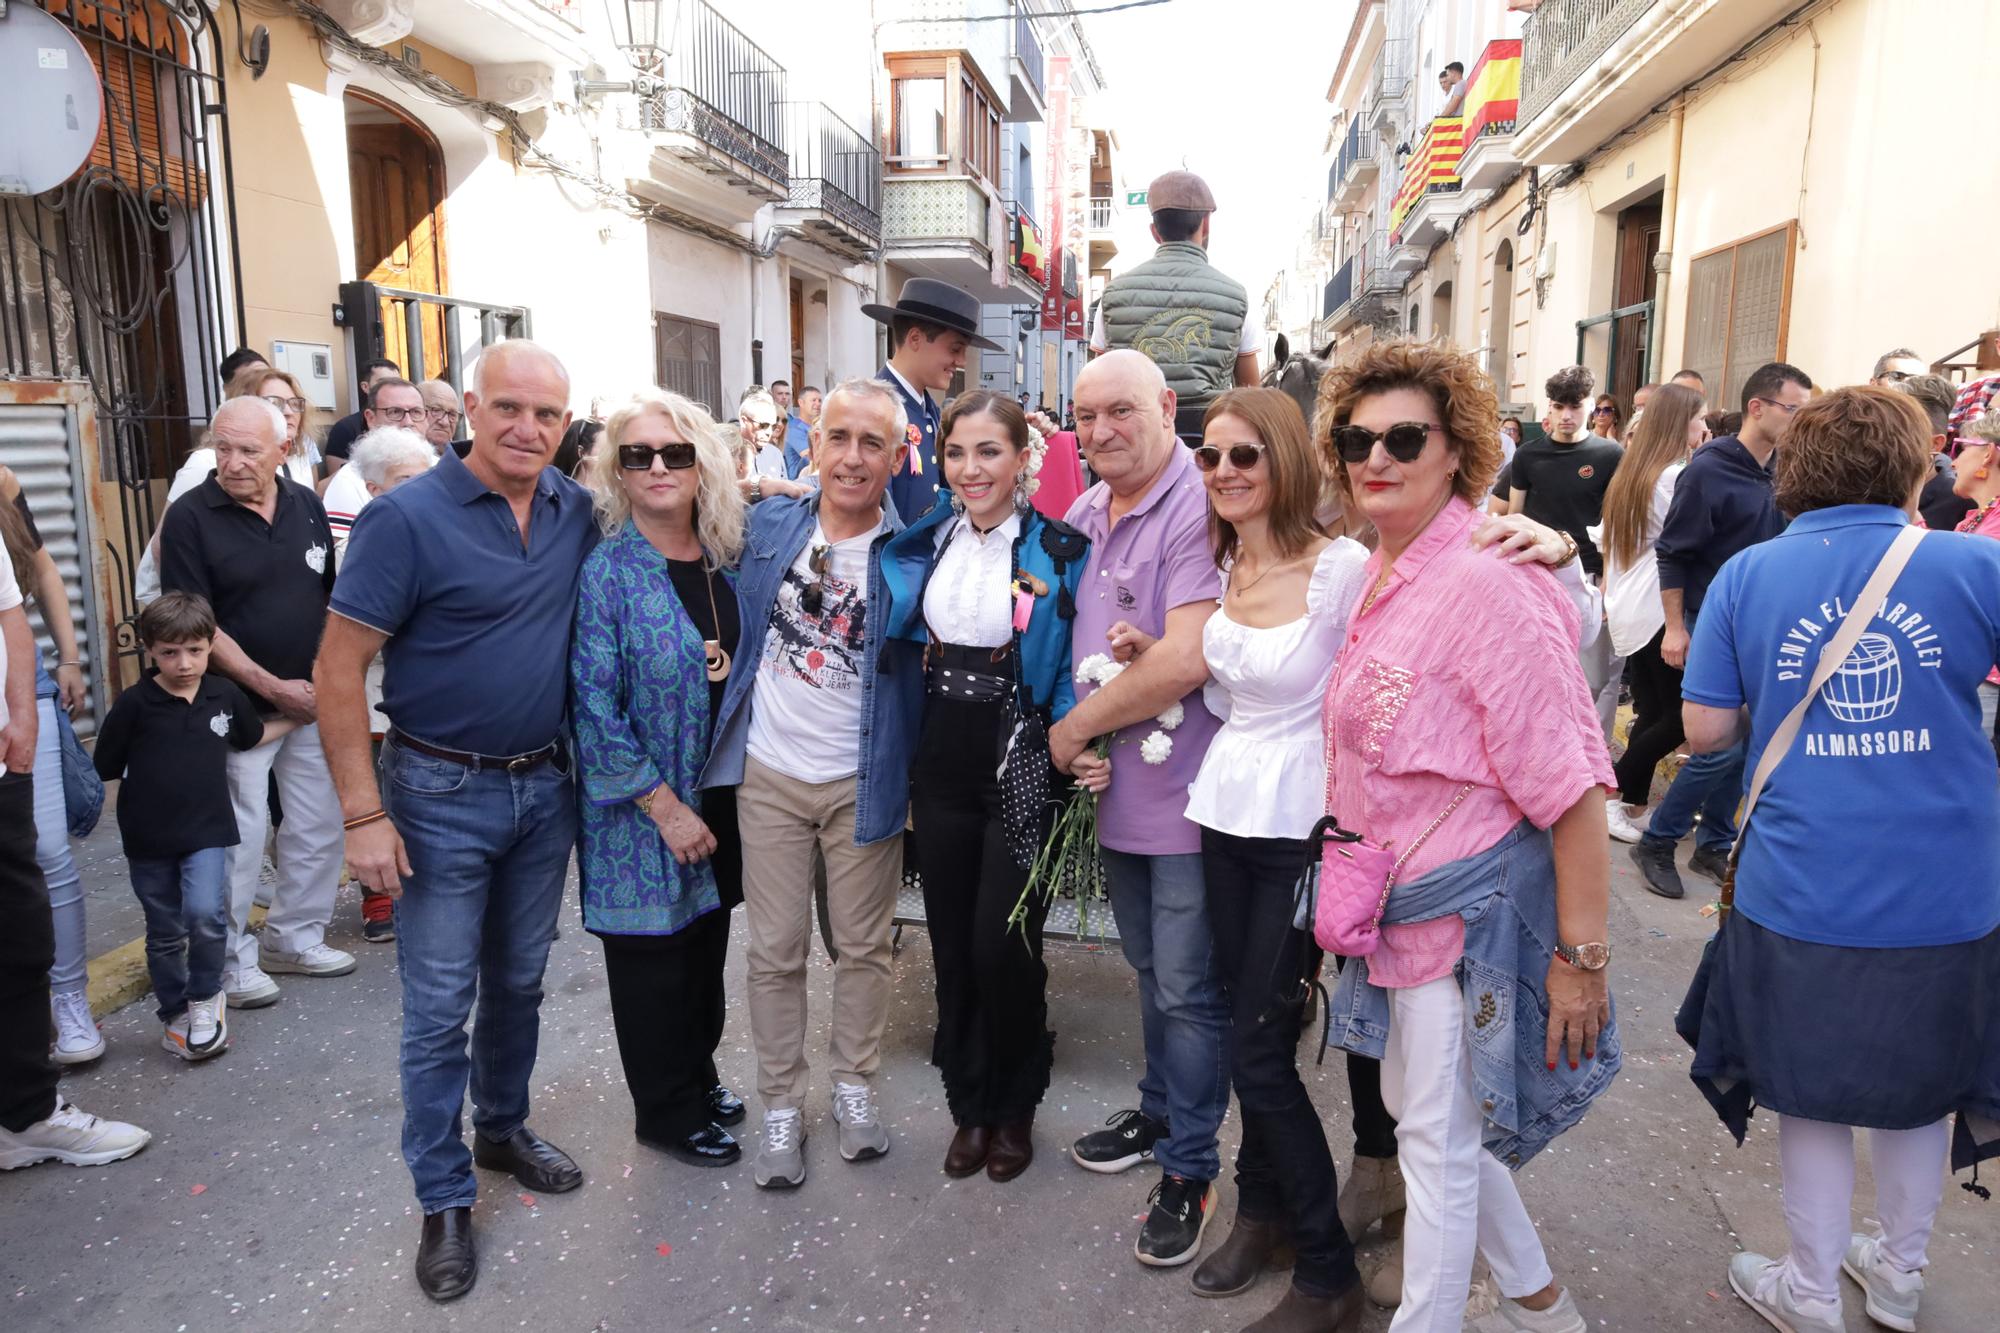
(798, 337)
(1635, 281)
(396, 176)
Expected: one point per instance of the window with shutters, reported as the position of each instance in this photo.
(932, 132)
(1739, 305)
(688, 355)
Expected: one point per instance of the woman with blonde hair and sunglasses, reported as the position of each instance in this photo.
(1461, 734)
(661, 864)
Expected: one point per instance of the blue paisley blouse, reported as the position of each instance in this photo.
(640, 703)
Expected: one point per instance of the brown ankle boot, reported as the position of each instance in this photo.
(1013, 1149)
(968, 1150)
(1300, 1313)
(1252, 1247)
(1372, 1192)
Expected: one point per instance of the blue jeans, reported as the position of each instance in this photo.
(1161, 906)
(1711, 783)
(186, 900)
(488, 850)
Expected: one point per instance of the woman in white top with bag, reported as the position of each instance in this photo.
(1635, 507)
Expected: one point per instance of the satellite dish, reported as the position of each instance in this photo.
(50, 101)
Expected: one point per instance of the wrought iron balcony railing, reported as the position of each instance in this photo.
(1565, 37)
(722, 89)
(834, 168)
(1028, 50)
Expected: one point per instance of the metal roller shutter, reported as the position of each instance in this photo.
(39, 444)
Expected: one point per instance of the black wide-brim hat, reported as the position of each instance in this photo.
(932, 302)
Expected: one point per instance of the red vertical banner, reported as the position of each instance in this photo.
(1058, 188)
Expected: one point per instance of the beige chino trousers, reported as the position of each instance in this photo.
(783, 819)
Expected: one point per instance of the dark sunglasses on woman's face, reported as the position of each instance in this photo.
(1404, 441)
(1242, 457)
(639, 457)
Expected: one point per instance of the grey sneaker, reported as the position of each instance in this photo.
(1892, 1293)
(781, 1161)
(72, 1137)
(1513, 1317)
(1763, 1285)
(862, 1135)
(321, 960)
(249, 988)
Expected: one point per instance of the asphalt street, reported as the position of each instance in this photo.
(274, 1197)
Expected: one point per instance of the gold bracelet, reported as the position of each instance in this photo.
(349, 825)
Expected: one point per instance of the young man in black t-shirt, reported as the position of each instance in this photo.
(1560, 480)
(169, 738)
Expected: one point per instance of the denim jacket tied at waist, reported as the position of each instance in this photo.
(1506, 894)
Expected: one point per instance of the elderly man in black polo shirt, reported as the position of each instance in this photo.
(257, 545)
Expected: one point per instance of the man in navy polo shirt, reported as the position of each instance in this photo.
(465, 579)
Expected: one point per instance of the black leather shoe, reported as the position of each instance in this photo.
(724, 1106)
(1710, 862)
(1656, 863)
(447, 1260)
(530, 1159)
(711, 1145)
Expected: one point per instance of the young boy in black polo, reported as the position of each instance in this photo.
(169, 738)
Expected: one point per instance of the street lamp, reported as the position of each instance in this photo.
(642, 36)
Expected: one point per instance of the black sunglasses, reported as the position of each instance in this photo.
(1242, 457)
(639, 457)
(813, 599)
(1404, 441)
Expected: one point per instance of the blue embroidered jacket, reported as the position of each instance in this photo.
(639, 705)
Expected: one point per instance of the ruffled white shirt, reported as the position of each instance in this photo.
(969, 600)
(1265, 772)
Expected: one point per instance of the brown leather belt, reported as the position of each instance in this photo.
(519, 763)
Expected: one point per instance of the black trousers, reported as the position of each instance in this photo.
(1656, 721)
(667, 1000)
(1284, 1170)
(1374, 1127)
(993, 1042)
(27, 951)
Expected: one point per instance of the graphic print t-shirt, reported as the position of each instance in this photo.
(805, 709)
(1880, 828)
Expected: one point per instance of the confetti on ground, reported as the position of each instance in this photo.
(197, 1189)
(527, 1201)
(664, 1249)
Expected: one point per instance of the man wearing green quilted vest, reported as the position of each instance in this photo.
(1188, 316)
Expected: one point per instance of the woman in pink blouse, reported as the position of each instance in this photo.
(1458, 708)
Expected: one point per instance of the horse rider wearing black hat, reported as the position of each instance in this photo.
(1188, 317)
(930, 327)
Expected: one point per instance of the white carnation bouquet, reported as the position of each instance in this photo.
(1068, 858)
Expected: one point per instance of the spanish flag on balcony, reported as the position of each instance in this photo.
(1493, 90)
(1432, 168)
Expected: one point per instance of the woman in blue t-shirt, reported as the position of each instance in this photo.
(1855, 983)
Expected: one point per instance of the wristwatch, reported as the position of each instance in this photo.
(1590, 957)
(756, 488)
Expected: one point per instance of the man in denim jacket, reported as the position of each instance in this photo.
(816, 730)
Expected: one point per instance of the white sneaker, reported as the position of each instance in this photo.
(862, 1134)
(1892, 1293)
(1626, 825)
(78, 1041)
(207, 1027)
(1765, 1286)
(249, 988)
(322, 960)
(72, 1137)
(781, 1161)
(1510, 1316)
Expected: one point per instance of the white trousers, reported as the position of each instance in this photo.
(1461, 1199)
(309, 847)
(1817, 1160)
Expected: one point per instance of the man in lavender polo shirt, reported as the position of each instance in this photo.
(1151, 571)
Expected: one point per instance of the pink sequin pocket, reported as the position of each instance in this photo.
(1371, 706)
